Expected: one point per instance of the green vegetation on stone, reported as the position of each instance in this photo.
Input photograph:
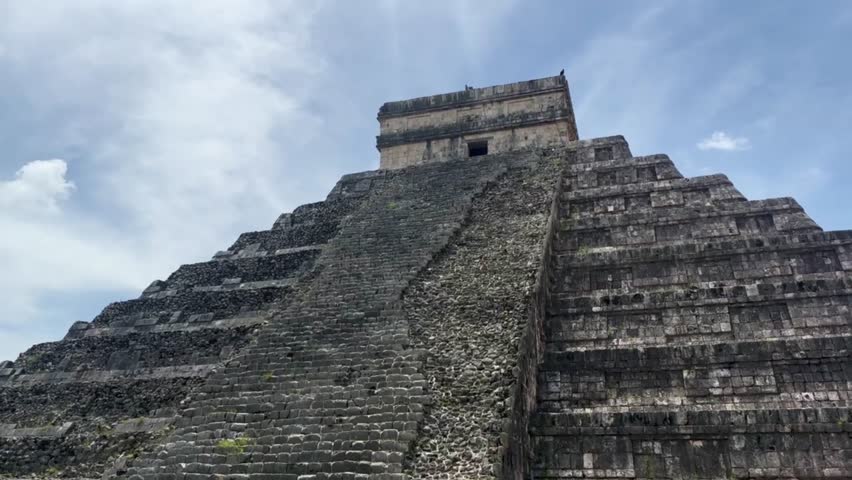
(233, 445)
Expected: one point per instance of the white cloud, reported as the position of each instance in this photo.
(723, 141)
(38, 187)
(182, 120)
(47, 249)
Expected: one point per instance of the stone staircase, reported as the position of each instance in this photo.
(330, 389)
(690, 333)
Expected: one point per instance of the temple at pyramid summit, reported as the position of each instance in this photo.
(502, 299)
(474, 122)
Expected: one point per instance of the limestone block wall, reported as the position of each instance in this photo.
(691, 333)
(483, 109)
(471, 96)
(509, 117)
(543, 135)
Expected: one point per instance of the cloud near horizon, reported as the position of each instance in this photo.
(722, 141)
(174, 119)
(38, 187)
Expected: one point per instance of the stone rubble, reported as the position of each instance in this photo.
(468, 310)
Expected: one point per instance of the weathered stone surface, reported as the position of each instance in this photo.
(522, 115)
(561, 312)
(691, 333)
(468, 310)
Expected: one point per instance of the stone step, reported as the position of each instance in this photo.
(310, 225)
(710, 314)
(596, 151)
(278, 466)
(270, 467)
(298, 360)
(684, 224)
(310, 384)
(238, 270)
(147, 326)
(249, 363)
(299, 419)
(662, 356)
(794, 443)
(387, 338)
(709, 452)
(325, 369)
(40, 403)
(678, 192)
(266, 400)
(263, 416)
(774, 385)
(329, 348)
(298, 351)
(706, 421)
(319, 212)
(281, 374)
(81, 457)
(189, 307)
(356, 437)
(712, 261)
(701, 294)
(732, 373)
(265, 474)
(132, 351)
(13, 378)
(256, 372)
(304, 392)
(622, 171)
(268, 242)
(290, 427)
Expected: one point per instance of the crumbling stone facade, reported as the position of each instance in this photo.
(549, 312)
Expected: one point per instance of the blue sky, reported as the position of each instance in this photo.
(139, 135)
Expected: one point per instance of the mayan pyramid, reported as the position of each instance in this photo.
(499, 300)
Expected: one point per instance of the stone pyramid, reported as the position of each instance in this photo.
(499, 300)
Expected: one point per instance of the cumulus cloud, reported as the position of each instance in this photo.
(44, 253)
(38, 187)
(723, 141)
(178, 121)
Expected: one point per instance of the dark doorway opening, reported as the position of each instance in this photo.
(477, 148)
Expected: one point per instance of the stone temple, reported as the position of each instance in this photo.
(500, 300)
